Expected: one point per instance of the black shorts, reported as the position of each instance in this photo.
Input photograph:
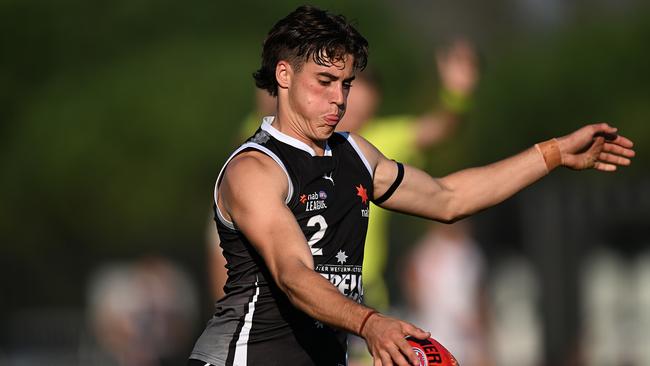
(193, 362)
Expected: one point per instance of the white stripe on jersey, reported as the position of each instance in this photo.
(241, 348)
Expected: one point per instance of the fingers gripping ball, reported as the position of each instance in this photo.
(432, 353)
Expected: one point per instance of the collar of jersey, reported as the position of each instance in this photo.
(267, 125)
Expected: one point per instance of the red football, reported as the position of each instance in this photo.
(432, 353)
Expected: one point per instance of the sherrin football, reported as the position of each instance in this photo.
(431, 353)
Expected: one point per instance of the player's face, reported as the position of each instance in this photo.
(318, 96)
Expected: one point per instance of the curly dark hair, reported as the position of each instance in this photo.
(309, 32)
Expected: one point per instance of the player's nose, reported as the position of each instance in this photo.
(339, 96)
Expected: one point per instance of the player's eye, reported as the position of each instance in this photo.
(325, 82)
(347, 85)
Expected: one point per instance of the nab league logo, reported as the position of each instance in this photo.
(314, 201)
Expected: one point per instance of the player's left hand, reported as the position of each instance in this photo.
(597, 146)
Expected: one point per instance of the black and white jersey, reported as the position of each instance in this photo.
(255, 324)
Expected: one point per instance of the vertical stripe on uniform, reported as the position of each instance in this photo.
(241, 348)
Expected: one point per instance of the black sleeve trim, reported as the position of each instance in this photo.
(393, 187)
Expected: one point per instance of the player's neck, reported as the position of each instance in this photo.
(298, 128)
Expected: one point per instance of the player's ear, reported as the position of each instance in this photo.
(283, 73)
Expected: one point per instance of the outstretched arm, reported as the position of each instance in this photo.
(468, 191)
(252, 196)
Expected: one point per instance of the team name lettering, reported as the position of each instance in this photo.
(349, 284)
(365, 212)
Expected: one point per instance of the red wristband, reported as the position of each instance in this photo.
(365, 319)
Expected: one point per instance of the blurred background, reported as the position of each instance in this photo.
(115, 118)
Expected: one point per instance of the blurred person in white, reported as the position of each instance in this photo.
(141, 313)
(616, 298)
(443, 284)
(515, 318)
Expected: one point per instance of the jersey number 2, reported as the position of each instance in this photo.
(322, 224)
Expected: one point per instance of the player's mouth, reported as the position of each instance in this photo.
(332, 119)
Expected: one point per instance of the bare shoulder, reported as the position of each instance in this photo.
(253, 171)
(254, 162)
(371, 153)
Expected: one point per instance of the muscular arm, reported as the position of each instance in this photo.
(252, 196)
(465, 192)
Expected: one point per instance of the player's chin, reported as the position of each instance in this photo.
(326, 131)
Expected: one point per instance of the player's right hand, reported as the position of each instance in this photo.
(385, 337)
(597, 146)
